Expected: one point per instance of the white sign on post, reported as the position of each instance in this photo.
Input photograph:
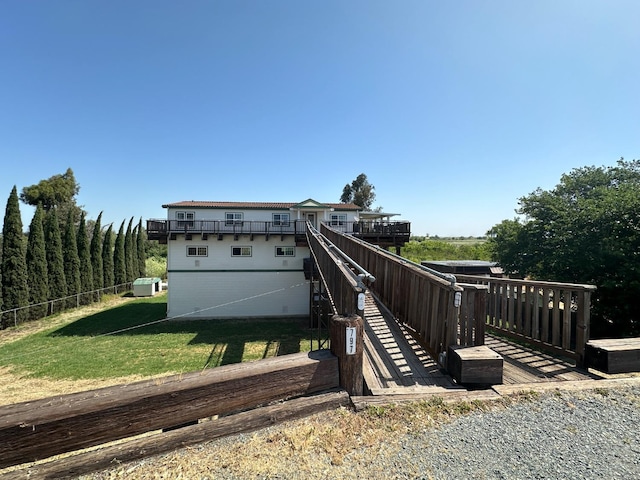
(351, 340)
(361, 301)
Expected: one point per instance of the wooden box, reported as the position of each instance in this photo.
(619, 355)
(475, 365)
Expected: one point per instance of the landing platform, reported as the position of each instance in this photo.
(396, 364)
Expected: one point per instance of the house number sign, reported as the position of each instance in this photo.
(351, 340)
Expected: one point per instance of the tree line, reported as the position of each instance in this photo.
(68, 257)
(585, 230)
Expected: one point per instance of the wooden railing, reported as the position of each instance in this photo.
(473, 314)
(552, 316)
(161, 229)
(342, 284)
(387, 233)
(371, 228)
(243, 395)
(426, 303)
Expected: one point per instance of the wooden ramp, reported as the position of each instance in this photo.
(396, 364)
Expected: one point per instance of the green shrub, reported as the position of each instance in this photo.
(156, 267)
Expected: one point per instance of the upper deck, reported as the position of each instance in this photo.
(385, 234)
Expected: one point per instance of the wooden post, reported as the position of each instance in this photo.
(347, 343)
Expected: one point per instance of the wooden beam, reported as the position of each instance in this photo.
(39, 429)
(86, 462)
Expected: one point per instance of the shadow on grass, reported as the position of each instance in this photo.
(228, 338)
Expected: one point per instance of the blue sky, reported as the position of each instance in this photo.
(453, 110)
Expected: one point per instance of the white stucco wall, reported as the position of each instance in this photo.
(222, 286)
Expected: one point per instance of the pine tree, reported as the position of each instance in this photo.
(71, 260)
(119, 262)
(142, 257)
(15, 292)
(55, 259)
(36, 259)
(86, 271)
(107, 258)
(96, 256)
(128, 253)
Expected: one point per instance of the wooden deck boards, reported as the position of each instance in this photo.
(394, 363)
(393, 360)
(525, 365)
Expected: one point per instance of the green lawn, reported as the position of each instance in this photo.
(134, 339)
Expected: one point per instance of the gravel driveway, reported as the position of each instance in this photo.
(565, 436)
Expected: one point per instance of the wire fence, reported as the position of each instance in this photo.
(36, 311)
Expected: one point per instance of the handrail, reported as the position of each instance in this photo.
(426, 303)
(342, 283)
(364, 274)
(446, 276)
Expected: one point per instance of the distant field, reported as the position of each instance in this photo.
(464, 241)
(446, 248)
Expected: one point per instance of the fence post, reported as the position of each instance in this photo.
(347, 343)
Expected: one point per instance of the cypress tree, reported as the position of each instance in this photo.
(142, 257)
(119, 262)
(86, 272)
(96, 255)
(128, 253)
(134, 253)
(71, 260)
(107, 258)
(15, 292)
(36, 259)
(55, 259)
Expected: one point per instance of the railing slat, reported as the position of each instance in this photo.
(555, 335)
(546, 298)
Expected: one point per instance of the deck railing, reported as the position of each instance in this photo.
(552, 316)
(427, 304)
(392, 233)
(157, 229)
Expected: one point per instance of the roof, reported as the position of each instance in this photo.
(146, 280)
(375, 215)
(462, 263)
(258, 205)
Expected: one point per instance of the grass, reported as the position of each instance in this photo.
(134, 338)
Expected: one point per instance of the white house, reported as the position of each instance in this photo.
(233, 259)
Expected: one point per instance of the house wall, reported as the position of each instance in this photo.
(220, 285)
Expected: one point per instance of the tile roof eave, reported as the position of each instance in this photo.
(253, 205)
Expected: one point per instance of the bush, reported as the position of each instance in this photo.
(156, 267)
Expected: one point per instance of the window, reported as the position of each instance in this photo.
(185, 219)
(338, 219)
(197, 251)
(240, 251)
(233, 218)
(285, 251)
(281, 219)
